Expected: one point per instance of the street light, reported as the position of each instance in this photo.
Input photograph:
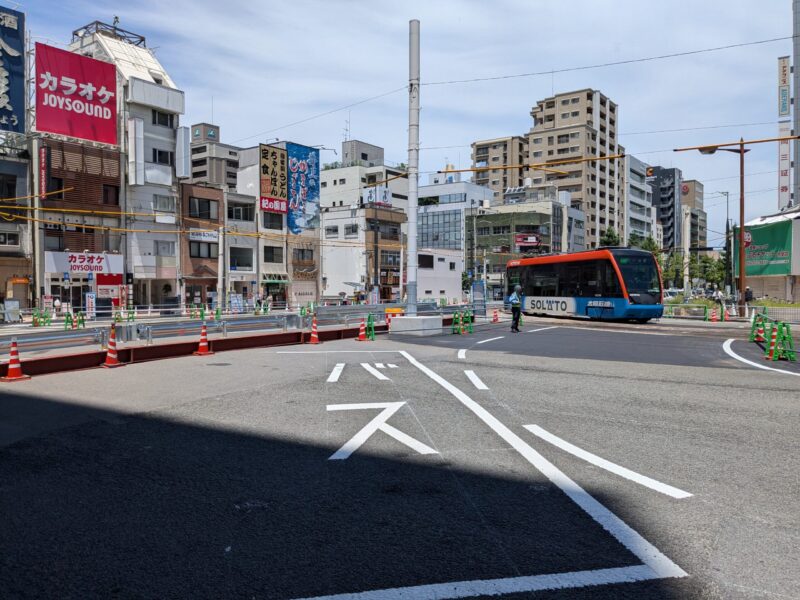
(737, 148)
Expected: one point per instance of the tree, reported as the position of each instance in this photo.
(466, 281)
(609, 238)
(649, 244)
(635, 240)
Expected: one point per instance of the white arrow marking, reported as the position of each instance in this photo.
(606, 464)
(378, 423)
(337, 371)
(374, 371)
(380, 365)
(391, 366)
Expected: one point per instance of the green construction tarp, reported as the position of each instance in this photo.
(767, 249)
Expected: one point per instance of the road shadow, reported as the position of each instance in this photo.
(108, 505)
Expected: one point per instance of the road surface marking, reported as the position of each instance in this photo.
(462, 353)
(377, 424)
(476, 381)
(335, 351)
(380, 365)
(659, 565)
(499, 587)
(391, 366)
(337, 371)
(374, 371)
(500, 337)
(607, 465)
(727, 347)
(541, 329)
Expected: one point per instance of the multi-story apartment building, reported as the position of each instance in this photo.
(202, 262)
(439, 274)
(692, 196)
(86, 180)
(579, 125)
(639, 209)
(16, 247)
(242, 254)
(362, 250)
(212, 161)
(489, 155)
(156, 154)
(666, 186)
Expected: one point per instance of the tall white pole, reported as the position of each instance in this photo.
(796, 108)
(413, 162)
(687, 229)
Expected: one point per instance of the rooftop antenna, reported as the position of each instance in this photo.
(116, 21)
(347, 127)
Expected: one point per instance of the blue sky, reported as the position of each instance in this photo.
(269, 64)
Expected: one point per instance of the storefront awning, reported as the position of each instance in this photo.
(280, 278)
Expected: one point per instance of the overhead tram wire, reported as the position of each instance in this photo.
(610, 64)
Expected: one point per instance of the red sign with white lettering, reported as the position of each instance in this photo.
(75, 95)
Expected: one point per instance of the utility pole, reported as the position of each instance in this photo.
(413, 162)
(796, 113)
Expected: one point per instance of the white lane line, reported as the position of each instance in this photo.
(476, 381)
(541, 329)
(380, 365)
(727, 347)
(374, 371)
(499, 587)
(607, 465)
(462, 353)
(335, 351)
(500, 337)
(659, 564)
(337, 371)
(391, 366)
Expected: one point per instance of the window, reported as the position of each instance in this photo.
(273, 254)
(163, 203)
(563, 139)
(9, 239)
(452, 266)
(323, 184)
(163, 157)
(332, 231)
(165, 248)
(495, 158)
(302, 255)
(575, 113)
(56, 183)
(363, 156)
(8, 186)
(501, 229)
(163, 119)
(565, 115)
(537, 154)
(200, 208)
(199, 162)
(241, 259)
(351, 230)
(440, 259)
(232, 164)
(198, 149)
(53, 242)
(241, 212)
(199, 173)
(484, 230)
(342, 182)
(390, 258)
(272, 220)
(203, 250)
(425, 261)
(111, 194)
(576, 100)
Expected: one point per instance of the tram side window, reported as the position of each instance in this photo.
(541, 280)
(611, 287)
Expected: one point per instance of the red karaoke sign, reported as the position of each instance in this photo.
(75, 95)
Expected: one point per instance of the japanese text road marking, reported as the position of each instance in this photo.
(374, 371)
(377, 424)
(607, 465)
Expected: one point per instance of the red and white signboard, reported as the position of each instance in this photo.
(82, 262)
(526, 239)
(75, 95)
(274, 205)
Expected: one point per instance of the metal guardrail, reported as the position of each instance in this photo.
(51, 340)
(686, 311)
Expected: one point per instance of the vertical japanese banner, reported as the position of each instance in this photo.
(75, 95)
(44, 171)
(12, 70)
(784, 165)
(303, 210)
(273, 174)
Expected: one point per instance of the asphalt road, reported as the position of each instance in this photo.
(300, 472)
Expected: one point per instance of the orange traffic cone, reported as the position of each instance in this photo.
(714, 315)
(727, 315)
(111, 355)
(202, 348)
(760, 333)
(495, 317)
(14, 372)
(74, 321)
(314, 336)
(362, 332)
(388, 321)
(773, 340)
